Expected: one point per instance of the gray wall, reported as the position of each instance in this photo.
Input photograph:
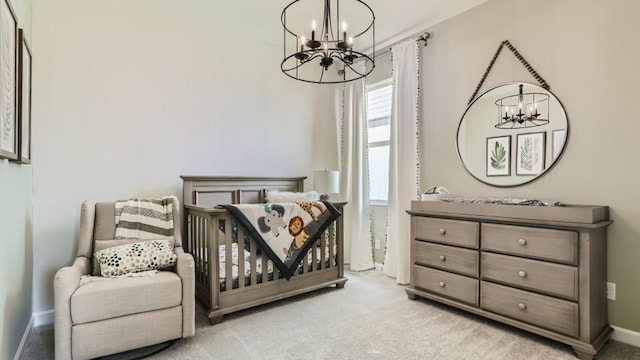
(16, 262)
(587, 51)
(128, 98)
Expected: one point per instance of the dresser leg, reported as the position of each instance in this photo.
(215, 319)
(583, 355)
(412, 296)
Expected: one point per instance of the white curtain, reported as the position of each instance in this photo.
(404, 167)
(354, 173)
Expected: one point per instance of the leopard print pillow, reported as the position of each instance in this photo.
(136, 257)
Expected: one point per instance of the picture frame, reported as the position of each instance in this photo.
(559, 138)
(530, 156)
(499, 156)
(8, 82)
(24, 99)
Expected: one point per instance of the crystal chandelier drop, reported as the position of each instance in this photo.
(328, 56)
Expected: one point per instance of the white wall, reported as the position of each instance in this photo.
(15, 235)
(587, 51)
(127, 99)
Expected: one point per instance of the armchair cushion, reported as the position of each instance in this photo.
(114, 297)
(136, 257)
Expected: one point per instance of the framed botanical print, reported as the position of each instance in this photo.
(530, 153)
(24, 99)
(499, 156)
(8, 84)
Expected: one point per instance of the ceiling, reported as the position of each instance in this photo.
(260, 19)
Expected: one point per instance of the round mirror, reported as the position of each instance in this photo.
(512, 134)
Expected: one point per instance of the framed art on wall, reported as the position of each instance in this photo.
(8, 61)
(499, 156)
(557, 145)
(530, 153)
(24, 99)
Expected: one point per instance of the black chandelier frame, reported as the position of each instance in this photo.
(528, 114)
(329, 49)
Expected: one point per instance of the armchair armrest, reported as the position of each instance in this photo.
(185, 269)
(65, 284)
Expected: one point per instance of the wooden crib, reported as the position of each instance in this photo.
(230, 272)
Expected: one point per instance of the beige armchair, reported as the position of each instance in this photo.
(114, 315)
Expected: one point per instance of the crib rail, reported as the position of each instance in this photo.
(209, 231)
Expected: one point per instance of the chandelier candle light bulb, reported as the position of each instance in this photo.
(344, 32)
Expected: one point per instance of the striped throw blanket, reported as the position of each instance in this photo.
(145, 219)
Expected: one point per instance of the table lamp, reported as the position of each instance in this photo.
(326, 182)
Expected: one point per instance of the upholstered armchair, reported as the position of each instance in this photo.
(105, 316)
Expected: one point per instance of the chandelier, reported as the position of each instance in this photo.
(523, 110)
(328, 56)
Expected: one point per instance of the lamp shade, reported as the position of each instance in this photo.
(326, 181)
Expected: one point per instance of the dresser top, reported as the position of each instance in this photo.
(573, 215)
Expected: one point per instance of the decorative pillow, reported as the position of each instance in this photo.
(136, 257)
(274, 196)
(104, 244)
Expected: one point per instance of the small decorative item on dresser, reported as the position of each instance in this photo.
(434, 193)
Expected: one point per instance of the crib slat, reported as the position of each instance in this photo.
(265, 268)
(314, 255)
(253, 261)
(202, 248)
(241, 232)
(196, 246)
(322, 248)
(305, 262)
(331, 245)
(211, 243)
(228, 243)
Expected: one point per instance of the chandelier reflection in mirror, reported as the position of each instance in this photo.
(523, 110)
(330, 55)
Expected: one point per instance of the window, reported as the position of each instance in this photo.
(378, 127)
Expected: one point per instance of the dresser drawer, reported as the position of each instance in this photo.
(455, 232)
(550, 278)
(451, 285)
(547, 244)
(463, 261)
(544, 311)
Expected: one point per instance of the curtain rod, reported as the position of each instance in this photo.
(422, 37)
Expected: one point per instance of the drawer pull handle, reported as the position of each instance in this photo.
(522, 273)
(442, 258)
(443, 231)
(522, 306)
(442, 284)
(522, 242)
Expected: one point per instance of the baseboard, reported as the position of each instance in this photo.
(23, 341)
(626, 336)
(43, 318)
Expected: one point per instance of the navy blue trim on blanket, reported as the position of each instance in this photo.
(289, 268)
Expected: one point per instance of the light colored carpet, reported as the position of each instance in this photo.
(371, 318)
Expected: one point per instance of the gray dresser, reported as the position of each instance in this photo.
(540, 269)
